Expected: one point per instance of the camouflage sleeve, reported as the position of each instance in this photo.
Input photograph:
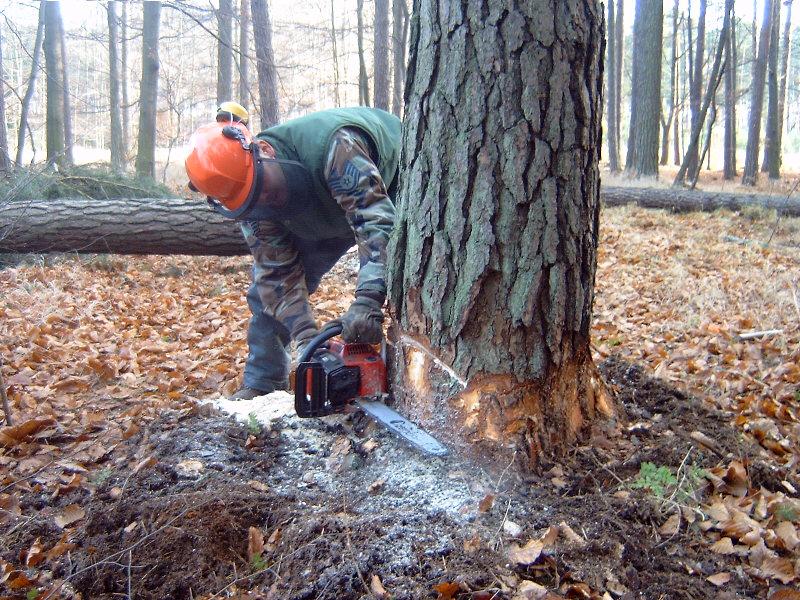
(357, 185)
(279, 276)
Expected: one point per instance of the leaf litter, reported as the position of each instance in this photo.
(107, 370)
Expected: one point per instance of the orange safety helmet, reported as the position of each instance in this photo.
(222, 164)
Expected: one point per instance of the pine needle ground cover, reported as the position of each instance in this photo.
(116, 480)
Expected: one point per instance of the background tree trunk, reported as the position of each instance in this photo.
(244, 50)
(55, 84)
(117, 147)
(771, 163)
(363, 79)
(642, 158)
(381, 61)
(750, 173)
(611, 87)
(69, 138)
(31, 89)
(729, 150)
(784, 68)
(5, 158)
(492, 266)
(224, 51)
(620, 37)
(666, 124)
(123, 78)
(265, 64)
(696, 88)
(148, 96)
(399, 42)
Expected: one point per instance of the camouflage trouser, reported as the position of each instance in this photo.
(267, 367)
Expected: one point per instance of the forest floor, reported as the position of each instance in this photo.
(123, 477)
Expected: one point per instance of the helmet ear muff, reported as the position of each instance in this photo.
(252, 197)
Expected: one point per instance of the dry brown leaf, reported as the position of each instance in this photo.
(115, 493)
(35, 553)
(778, 568)
(376, 588)
(71, 514)
(259, 486)
(723, 546)
(671, 526)
(146, 463)
(527, 554)
(11, 436)
(190, 468)
(719, 579)
(255, 542)
(485, 505)
(736, 479)
(787, 533)
(569, 534)
(785, 594)
(274, 539)
(446, 590)
(472, 544)
(529, 590)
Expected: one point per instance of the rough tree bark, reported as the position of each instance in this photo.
(180, 226)
(69, 138)
(771, 162)
(399, 41)
(750, 172)
(785, 52)
(265, 63)
(148, 95)
(224, 51)
(642, 156)
(123, 77)
(29, 92)
(363, 79)
(696, 86)
(492, 264)
(690, 160)
(666, 124)
(729, 145)
(117, 147)
(611, 87)
(55, 84)
(381, 55)
(620, 37)
(334, 51)
(5, 158)
(244, 49)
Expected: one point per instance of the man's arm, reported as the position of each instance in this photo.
(279, 277)
(357, 185)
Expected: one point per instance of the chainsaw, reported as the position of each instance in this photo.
(333, 377)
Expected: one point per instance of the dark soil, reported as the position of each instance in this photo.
(173, 534)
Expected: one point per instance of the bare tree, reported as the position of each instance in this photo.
(148, 96)
(750, 173)
(117, 145)
(69, 138)
(771, 162)
(31, 89)
(399, 41)
(784, 68)
(696, 85)
(642, 155)
(620, 37)
(55, 84)
(123, 77)
(666, 123)
(363, 80)
(729, 150)
(335, 52)
(381, 54)
(5, 158)
(265, 63)
(244, 47)
(611, 86)
(224, 50)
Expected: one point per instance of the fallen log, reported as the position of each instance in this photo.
(681, 200)
(181, 226)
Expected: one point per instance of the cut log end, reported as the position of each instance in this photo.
(497, 416)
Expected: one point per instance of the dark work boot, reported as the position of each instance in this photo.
(248, 393)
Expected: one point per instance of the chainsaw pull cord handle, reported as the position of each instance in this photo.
(328, 332)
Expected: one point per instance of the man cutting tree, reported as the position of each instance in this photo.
(305, 191)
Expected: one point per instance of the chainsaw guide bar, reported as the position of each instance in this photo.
(399, 425)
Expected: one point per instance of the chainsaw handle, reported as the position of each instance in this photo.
(328, 332)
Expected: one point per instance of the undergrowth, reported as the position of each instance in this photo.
(94, 181)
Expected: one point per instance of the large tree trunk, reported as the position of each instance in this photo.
(244, 49)
(26, 100)
(491, 269)
(696, 87)
(620, 37)
(224, 51)
(335, 53)
(784, 68)
(714, 78)
(148, 95)
(363, 79)
(69, 137)
(381, 49)
(55, 84)
(611, 87)
(642, 156)
(666, 124)
(146, 226)
(750, 173)
(729, 150)
(5, 158)
(399, 42)
(123, 78)
(180, 226)
(117, 147)
(771, 163)
(265, 63)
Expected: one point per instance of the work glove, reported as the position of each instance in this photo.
(362, 321)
